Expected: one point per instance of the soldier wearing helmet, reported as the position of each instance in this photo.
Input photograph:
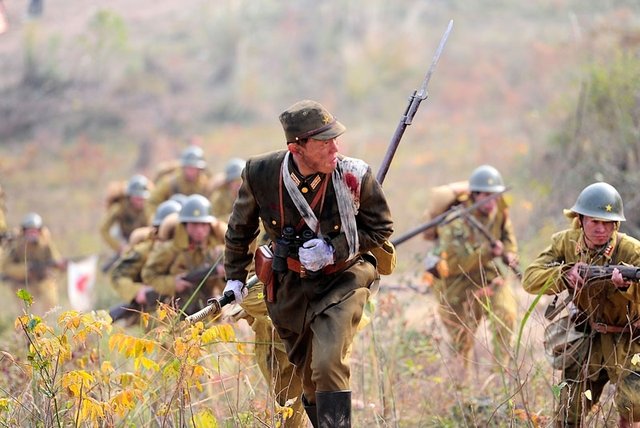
(607, 309)
(30, 261)
(196, 243)
(471, 276)
(226, 191)
(191, 177)
(126, 213)
(126, 274)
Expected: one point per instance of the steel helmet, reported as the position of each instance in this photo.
(138, 185)
(196, 209)
(233, 169)
(193, 156)
(163, 210)
(486, 178)
(31, 221)
(601, 201)
(564, 344)
(179, 198)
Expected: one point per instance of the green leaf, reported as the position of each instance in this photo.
(25, 296)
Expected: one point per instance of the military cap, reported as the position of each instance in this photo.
(309, 119)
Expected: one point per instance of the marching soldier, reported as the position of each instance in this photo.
(190, 178)
(607, 309)
(128, 213)
(29, 263)
(469, 284)
(197, 243)
(317, 289)
(126, 274)
(225, 193)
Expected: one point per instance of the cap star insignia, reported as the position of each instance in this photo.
(608, 208)
(196, 212)
(326, 119)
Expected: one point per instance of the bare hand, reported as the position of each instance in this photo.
(511, 259)
(574, 278)
(141, 295)
(617, 278)
(181, 284)
(497, 248)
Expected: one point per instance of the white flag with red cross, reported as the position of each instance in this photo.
(81, 278)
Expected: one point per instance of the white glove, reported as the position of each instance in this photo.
(315, 254)
(240, 290)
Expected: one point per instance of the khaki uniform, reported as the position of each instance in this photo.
(29, 265)
(126, 274)
(127, 218)
(316, 318)
(470, 265)
(179, 256)
(176, 183)
(222, 200)
(609, 356)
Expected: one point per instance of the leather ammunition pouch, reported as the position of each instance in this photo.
(385, 257)
(264, 269)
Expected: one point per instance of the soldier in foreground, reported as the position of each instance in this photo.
(607, 308)
(29, 263)
(322, 212)
(470, 285)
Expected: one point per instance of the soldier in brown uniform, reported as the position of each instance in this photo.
(323, 212)
(197, 242)
(126, 274)
(471, 285)
(190, 178)
(29, 263)
(128, 214)
(225, 193)
(609, 308)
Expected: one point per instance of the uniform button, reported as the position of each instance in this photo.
(304, 190)
(273, 222)
(336, 227)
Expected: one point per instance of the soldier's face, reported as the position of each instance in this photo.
(191, 173)
(489, 205)
(198, 232)
(316, 156)
(137, 202)
(31, 234)
(597, 232)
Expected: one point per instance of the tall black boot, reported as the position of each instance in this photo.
(334, 409)
(311, 410)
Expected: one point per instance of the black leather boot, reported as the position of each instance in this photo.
(334, 409)
(312, 412)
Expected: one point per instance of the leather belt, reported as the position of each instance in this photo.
(295, 266)
(608, 328)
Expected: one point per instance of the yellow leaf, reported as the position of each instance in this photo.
(205, 419)
(635, 360)
(162, 314)
(145, 318)
(107, 367)
(587, 394)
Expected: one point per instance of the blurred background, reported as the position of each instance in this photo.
(547, 91)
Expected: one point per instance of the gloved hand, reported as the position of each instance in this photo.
(315, 254)
(239, 289)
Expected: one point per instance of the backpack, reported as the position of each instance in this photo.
(441, 199)
(116, 192)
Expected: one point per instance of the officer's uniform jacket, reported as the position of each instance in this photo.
(599, 299)
(126, 217)
(176, 183)
(298, 300)
(179, 256)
